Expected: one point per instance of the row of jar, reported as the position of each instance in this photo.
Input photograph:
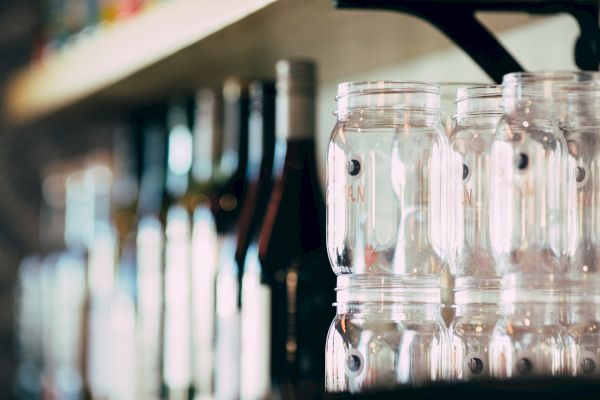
(514, 189)
(540, 329)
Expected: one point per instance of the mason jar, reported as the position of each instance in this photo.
(529, 169)
(584, 324)
(363, 215)
(477, 312)
(582, 133)
(529, 339)
(387, 331)
(478, 111)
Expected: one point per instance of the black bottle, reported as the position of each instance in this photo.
(292, 249)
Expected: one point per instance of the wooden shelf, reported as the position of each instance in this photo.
(183, 44)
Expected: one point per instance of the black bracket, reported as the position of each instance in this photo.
(457, 20)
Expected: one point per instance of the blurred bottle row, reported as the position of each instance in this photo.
(63, 23)
(193, 263)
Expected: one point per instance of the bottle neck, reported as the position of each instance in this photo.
(153, 174)
(206, 136)
(295, 118)
(261, 129)
(234, 155)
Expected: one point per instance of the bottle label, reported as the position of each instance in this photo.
(255, 351)
(475, 365)
(204, 253)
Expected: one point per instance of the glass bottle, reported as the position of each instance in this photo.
(529, 339)
(231, 179)
(64, 284)
(29, 328)
(150, 124)
(477, 312)
(388, 331)
(477, 115)
(177, 330)
(204, 251)
(255, 379)
(97, 179)
(529, 169)
(292, 250)
(582, 133)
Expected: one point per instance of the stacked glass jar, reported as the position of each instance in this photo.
(510, 204)
(582, 133)
(387, 238)
(477, 285)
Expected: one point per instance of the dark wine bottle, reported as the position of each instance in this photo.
(232, 182)
(230, 175)
(150, 124)
(292, 241)
(261, 148)
(255, 298)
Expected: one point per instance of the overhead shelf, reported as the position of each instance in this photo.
(182, 44)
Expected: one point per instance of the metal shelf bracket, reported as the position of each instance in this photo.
(457, 20)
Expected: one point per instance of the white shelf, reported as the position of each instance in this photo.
(182, 44)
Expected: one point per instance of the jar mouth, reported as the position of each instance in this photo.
(367, 288)
(391, 97)
(479, 100)
(548, 77)
(385, 87)
(477, 290)
(536, 288)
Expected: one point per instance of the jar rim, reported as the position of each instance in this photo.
(478, 92)
(545, 76)
(405, 288)
(385, 87)
(477, 290)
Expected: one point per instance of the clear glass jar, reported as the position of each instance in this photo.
(477, 312)
(388, 331)
(528, 196)
(529, 338)
(478, 111)
(584, 325)
(363, 216)
(582, 133)
(420, 178)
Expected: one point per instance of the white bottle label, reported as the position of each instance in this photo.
(256, 339)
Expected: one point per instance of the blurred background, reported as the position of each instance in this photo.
(72, 70)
